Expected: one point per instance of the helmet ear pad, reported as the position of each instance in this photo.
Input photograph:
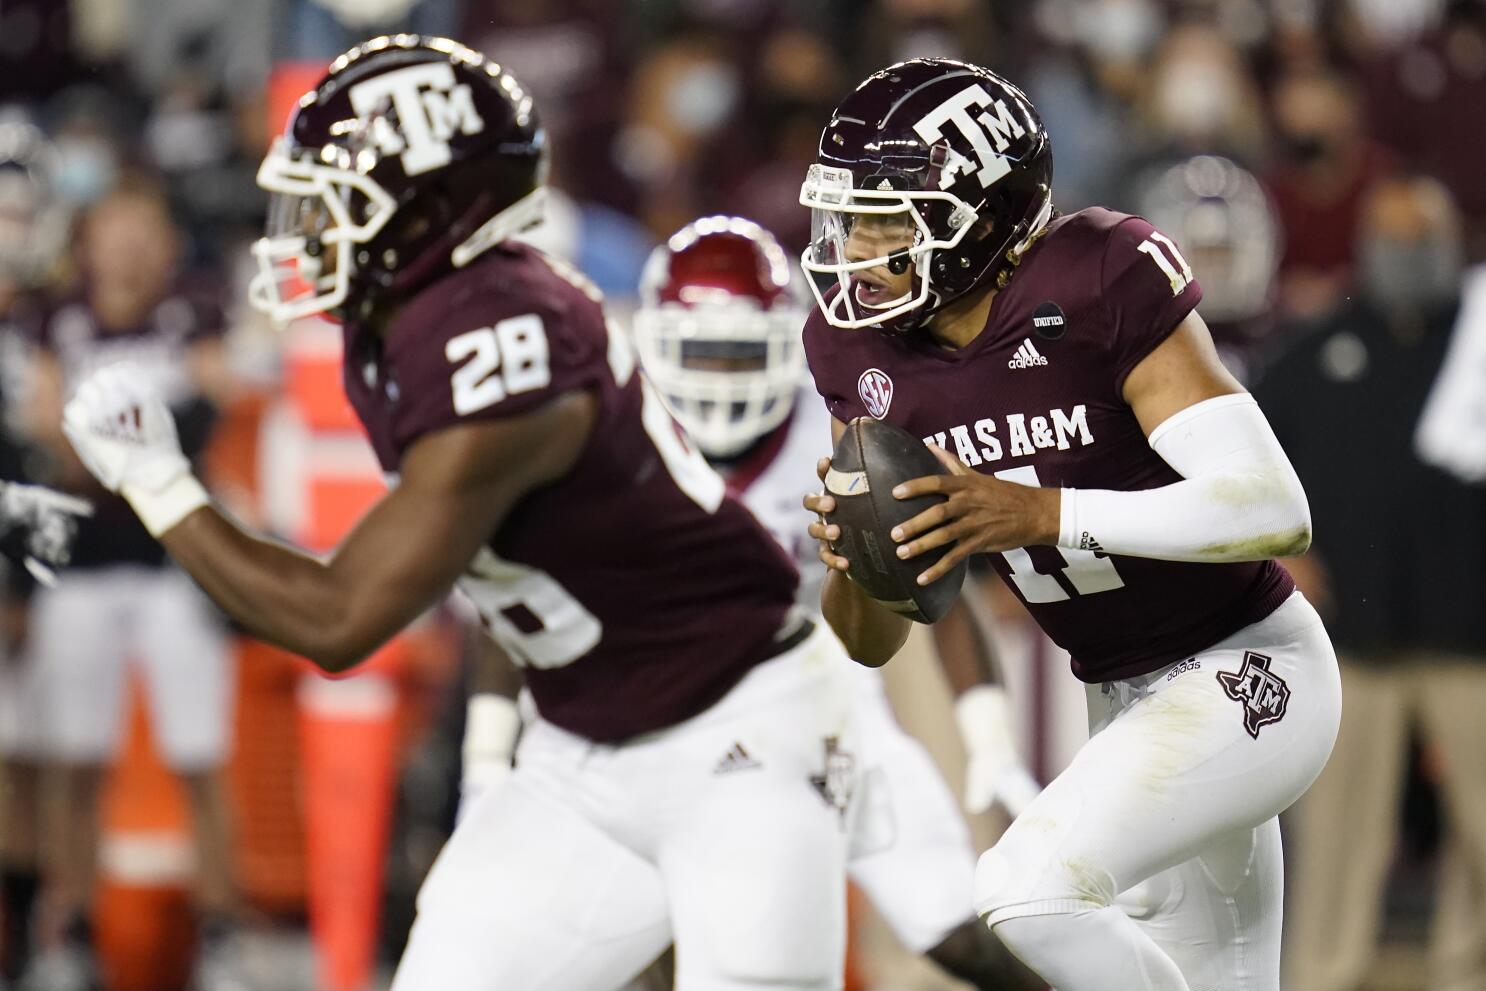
(951, 270)
(415, 244)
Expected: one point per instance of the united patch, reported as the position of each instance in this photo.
(876, 390)
(1264, 694)
(1048, 321)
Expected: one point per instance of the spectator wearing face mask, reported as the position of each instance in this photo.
(1325, 167)
(1195, 95)
(679, 126)
(1423, 100)
(1084, 84)
(1202, 97)
(1398, 569)
(797, 77)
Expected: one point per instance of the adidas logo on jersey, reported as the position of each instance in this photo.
(1026, 356)
(736, 759)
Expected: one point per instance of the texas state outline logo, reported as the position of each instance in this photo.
(1264, 694)
(876, 390)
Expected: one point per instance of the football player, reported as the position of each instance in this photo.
(718, 332)
(1221, 216)
(654, 617)
(37, 526)
(1125, 487)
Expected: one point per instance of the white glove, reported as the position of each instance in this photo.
(491, 725)
(124, 433)
(43, 523)
(994, 772)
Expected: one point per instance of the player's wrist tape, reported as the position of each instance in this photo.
(1239, 499)
(161, 510)
(983, 714)
(491, 725)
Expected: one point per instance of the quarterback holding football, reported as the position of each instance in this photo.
(1124, 486)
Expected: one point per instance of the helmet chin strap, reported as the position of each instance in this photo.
(1035, 228)
(526, 212)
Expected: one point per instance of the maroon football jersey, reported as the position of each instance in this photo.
(1036, 399)
(633, 591)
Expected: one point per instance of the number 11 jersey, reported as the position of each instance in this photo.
(1036, 399)
(633, 591)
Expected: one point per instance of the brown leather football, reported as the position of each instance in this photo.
(870, 459)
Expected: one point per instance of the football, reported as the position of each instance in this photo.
(870, 459)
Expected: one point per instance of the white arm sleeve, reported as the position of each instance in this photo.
(1239, 499)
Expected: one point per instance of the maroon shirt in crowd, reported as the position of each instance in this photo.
(1319, 223)
(1425, 105)
(1036, 398)
(631, 590)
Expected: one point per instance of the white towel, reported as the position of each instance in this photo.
(1452, 429)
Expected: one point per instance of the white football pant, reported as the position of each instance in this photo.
(89, 630)
(1178, 787)
(726, 833)
(910, 850)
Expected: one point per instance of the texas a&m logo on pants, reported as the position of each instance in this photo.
(876, 390)
(834, 783)
(1263, 693)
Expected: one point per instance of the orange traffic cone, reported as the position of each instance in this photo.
(348, 731)
(142, 918)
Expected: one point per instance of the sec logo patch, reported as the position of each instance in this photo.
(876, 390)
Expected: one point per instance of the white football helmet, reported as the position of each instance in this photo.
(718, 331)
(1220, 215)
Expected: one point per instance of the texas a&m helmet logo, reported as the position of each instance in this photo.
(1264, 694)
(876, 390)
(429, 107)
(980, 130)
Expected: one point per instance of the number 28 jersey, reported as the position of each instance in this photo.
(633, 590)
(1036, 399)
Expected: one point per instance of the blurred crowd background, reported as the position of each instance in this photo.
(176, 798)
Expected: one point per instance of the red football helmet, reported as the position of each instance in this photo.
(718, 331)
(412, 154)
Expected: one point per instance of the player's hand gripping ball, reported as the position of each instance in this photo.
(870, 459)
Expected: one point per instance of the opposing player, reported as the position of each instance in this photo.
(654, 617)
(1127, 490)
(1220, 215)
(37, 525)
(718, 332)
